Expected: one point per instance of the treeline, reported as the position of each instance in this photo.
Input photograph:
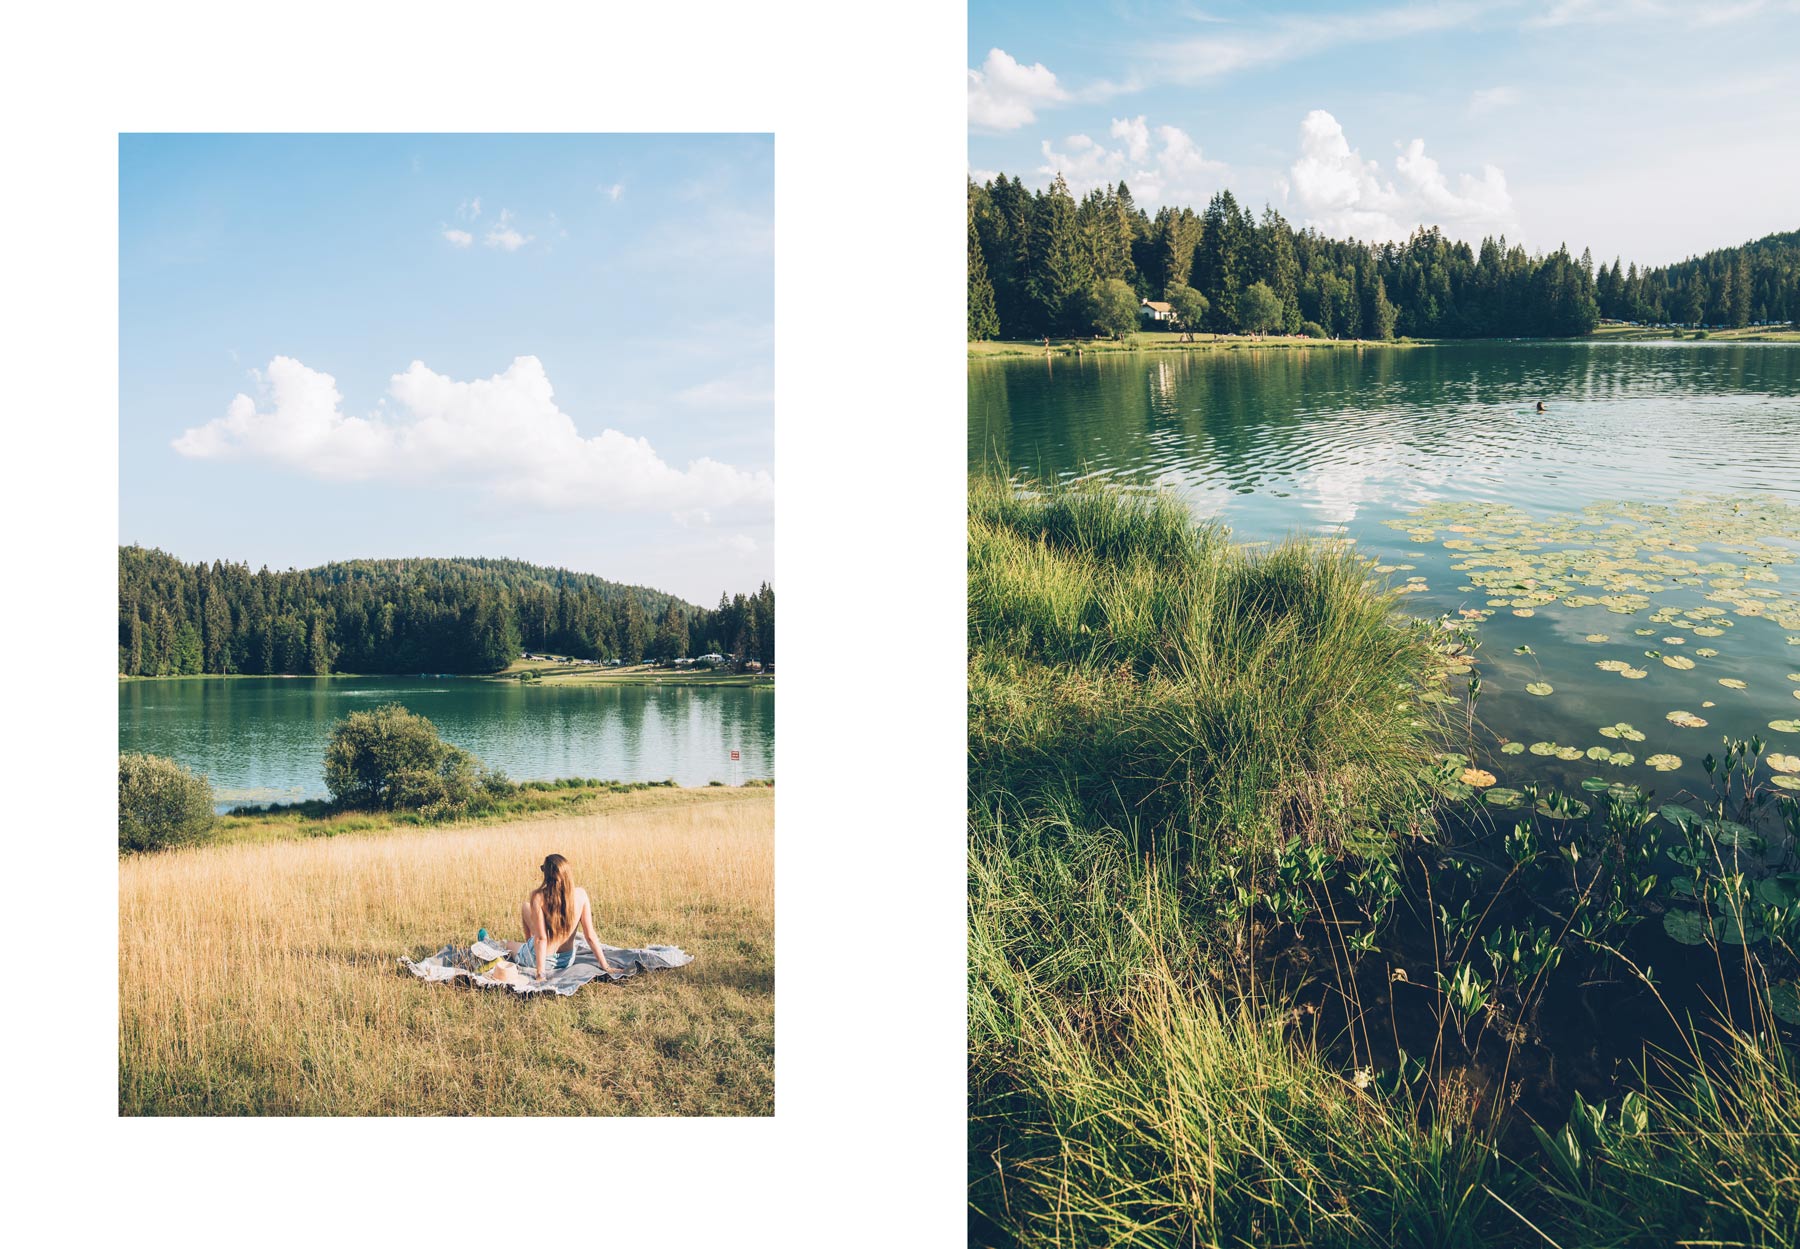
(394, 616)
(1041, 263)
(1756, 284)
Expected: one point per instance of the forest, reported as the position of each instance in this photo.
(418, 615)
(1041, 263)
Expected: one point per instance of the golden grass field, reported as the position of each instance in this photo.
(261, 978)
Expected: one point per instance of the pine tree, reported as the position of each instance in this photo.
(984, 320)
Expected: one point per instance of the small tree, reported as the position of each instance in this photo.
(1113, 307)
(1259, 307)
(161, 804)
(391, 759)
(1189, 305)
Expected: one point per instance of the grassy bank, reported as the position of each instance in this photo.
(553, 673)
(529, 800)
(260, 977)
(1749, 334)
(1200, 783)
(1157, 341)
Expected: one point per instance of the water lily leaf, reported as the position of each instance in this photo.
(1681, 817)
(1513, 748)
(1685, 926)
(1785, 726)
(1784, 1000)
(1456, 791)
(1594, 784)
(1675, 641)
(1732, 683)
(1540, 688)
(1786, 782)
(1682, 887)
(1685, 720)
(1679, 662)
(1663, 763)
(1779, 890)
(1523, 650)
(1621, 759)
(1568, 754)
(1477, 778)
(1732, 835)
(1597, 637)
(1705, 652)
(1611, 665)
(1503, 797)
(1574, 809)
(1783, 763)
(1598, 752)
(1634, 674)
(1544, 748)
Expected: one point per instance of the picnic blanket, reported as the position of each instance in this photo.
(465, 963)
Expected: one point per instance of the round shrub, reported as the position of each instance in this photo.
(391, 759)
(161, 804)
(1312, 329)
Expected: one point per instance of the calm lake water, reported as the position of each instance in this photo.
(1700, 444)
(263, 739)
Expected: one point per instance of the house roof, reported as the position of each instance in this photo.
(1157, 306)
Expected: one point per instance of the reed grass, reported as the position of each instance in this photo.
(1153, 712)
(261, 978)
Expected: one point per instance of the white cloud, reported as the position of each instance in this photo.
(1004, 95)
(1492, 99)
(1343, 195)
(503, 436)
(469, 209)
(1291, 37)
(461, 238)
(614, 191)
(502, 234)
(750, 388)
(1160, 165)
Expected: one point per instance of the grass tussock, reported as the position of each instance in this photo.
(1136, 666)
(260, 978)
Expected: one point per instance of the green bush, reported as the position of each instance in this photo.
(1312, 329)
(161, 804)
(391, 759)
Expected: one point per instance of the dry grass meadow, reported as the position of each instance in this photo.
(260, 979)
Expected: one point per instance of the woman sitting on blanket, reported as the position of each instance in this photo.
(551, 914)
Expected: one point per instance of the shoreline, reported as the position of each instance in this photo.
(313, 819)
(999, 349)
(566, 674)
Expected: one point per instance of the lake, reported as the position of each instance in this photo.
(1627, 556)
(262, 739)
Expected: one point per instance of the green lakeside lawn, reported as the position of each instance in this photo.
(1146, 340)
(548, 672)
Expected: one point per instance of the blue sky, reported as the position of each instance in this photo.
(1643, 128)
(557, 348)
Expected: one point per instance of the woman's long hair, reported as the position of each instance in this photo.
(557, 894)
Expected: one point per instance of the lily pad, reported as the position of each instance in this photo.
(1513, 748)
(1611, 665)
(1540, 688)
(1685, 926)
(1785, 726)
(1783, 763)
(1598, 637)
(1679, 662)
(1663, 763)
(1685, 720)
(1477, 778)
(1786, 782)
(1681, 817)
(1784, 1000)
(1503, 797)
(1732, 683)
(1634, 674)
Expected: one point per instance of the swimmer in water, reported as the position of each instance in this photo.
(1541, 407)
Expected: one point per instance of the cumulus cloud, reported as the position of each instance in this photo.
(1160, 164)
(503, 235)
(460, 238)
(1004, 95)
(503, 436)
(614, 191)
(1344, 195)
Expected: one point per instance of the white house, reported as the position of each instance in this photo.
(1156, 310)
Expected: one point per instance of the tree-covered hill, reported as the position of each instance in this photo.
(1040, 262)
(415, 615)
